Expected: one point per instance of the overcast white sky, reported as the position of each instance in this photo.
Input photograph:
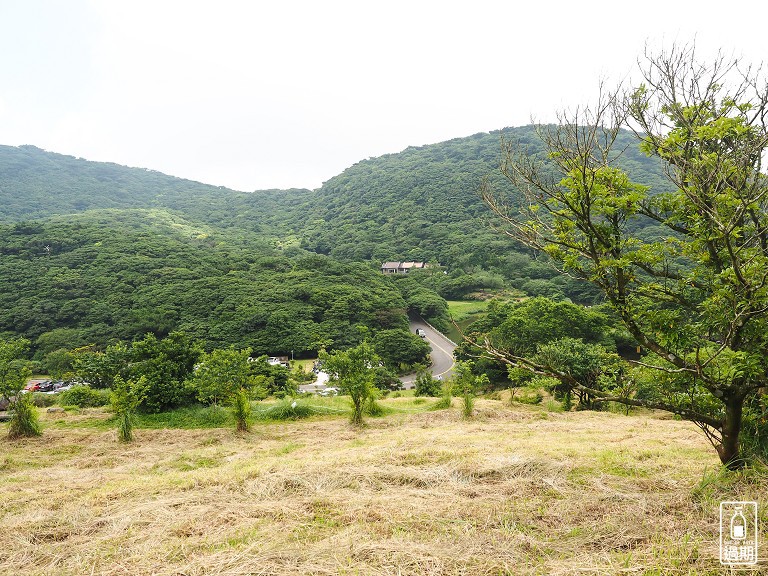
(288, 93)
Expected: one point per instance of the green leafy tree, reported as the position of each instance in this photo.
(165, 364)
(400, 347)
(14, 372)
(225, 376)
(275, 378)
(588, 364)
(220, 373)
(100, 369)
(696, 295)
(354, 371)
(14, 368)
(520, 328)
(426, 385)
(59, 364)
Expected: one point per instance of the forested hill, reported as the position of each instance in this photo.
(91, 252)
(37, 184)
(418, 204)
(116, 274)
(423, 203)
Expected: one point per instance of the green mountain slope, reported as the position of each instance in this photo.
(116, 274)
(423, 203)
(94, 251)
(37, 184)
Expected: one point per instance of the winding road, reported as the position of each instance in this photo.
(442, 353)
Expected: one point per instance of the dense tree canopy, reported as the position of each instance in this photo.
(88, 279)
(419, 204)
(522, 328)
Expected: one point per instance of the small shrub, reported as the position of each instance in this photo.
(24, 421)
(443, 403)
(373, 408)
(84, 396)
(529, 395)
(125, 399)
(426, 385)
(43, 400)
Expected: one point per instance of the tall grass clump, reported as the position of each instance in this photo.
(373, 408)
(241, 410)
(466, 383)
(125, 400)
(24, 421)
(445, 400)
(467, 404)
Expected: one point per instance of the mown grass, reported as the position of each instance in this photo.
(461, 310)
(515, 490)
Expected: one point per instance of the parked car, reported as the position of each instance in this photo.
(59, 386)
(46, 386)
(330, 391)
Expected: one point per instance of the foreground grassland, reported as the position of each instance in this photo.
(513, 491)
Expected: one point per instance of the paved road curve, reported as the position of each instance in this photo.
(442, 353)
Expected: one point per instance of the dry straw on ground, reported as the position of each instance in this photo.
(514, 491)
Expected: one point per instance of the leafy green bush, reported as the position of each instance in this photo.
(529, 395)
(84, 397)
(24, 420)
(43, 400)
(443, 403)
(426, 385)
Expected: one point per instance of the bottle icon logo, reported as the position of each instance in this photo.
(738, 525)
(738, 533)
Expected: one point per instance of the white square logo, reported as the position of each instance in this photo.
(738, 533)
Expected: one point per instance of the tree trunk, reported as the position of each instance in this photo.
(729, 448)
(357, 411)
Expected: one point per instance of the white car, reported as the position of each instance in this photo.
(330, 391)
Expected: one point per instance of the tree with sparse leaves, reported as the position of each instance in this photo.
(125, 399)
(354, 371)
(695, 299)
(225, 376)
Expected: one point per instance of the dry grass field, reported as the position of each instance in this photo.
(513, 491)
